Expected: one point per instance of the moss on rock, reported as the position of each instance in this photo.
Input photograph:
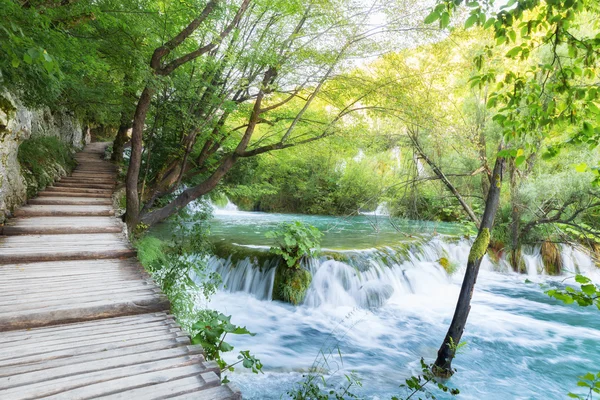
(551, 257)
(237, 253)
(291, 284)
(517, 262)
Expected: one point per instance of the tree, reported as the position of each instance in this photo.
(531, 102)
(253, 93)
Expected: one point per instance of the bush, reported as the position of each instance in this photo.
(294, 241)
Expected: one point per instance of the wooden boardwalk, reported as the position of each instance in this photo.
(79, 317)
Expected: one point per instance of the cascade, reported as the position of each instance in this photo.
(385, 306)
(369, 278)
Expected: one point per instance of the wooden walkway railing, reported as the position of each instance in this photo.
(79, 317)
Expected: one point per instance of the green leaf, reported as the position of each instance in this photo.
(444, 20)
(513, 52)
(582, 279)
(589, 289)
(432, 17)
(582, 167)
(471, 21)
(519, 160)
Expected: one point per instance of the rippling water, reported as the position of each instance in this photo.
(390, 304)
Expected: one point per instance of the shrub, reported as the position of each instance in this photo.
(294, 241)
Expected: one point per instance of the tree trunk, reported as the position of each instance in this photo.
(120, 140)
(443, 364)
(445, 180)
(133, 173)
(515, 223)
(226, 164)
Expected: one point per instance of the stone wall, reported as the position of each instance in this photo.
(17, 124)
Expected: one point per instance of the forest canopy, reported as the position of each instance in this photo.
(333, 107)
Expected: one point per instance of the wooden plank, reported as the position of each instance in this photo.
(77, 190)
(76, 331)
(70, 200)
(111, 323)
(61, 225)
(89, 185)
(56, 386)
(224, 392)
(73, 370)
(98, 344)
(63, 210)
(85, 312)
(169, 388)
(66, 255)
(51, 363)
(70, 194)
(83, 265)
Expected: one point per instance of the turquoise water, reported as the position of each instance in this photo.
(520, 343)
(355, 232)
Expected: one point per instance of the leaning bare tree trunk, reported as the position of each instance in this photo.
(515, 216)
(443, 364)
(445, 180)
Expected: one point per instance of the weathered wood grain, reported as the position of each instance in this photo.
(79, 317)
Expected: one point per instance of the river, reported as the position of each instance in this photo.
(390, 303)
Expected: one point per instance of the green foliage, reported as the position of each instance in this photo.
(316, 387)
(587, 294)
(179, 267)
(590, 382)
(210, 332)
(324, 179)
(420, 385)
(295, 241)
(43, 160)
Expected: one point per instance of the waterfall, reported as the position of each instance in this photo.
(370, 278)
(228, 208)
(381, 210)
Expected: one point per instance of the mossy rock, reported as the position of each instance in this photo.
(336, 255)
(517, 262)
(596, 254)
(7, 107)
(291, 284)
(551, 257)
(237, 253)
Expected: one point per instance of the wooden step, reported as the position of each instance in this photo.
(71, 194)
(110, 361)
(61, 225)
(71, 200)
(79, 316)
(82, 176)
(63, 210)
(78, 190)
(104, 181)
(90, 185)
(37, 248)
